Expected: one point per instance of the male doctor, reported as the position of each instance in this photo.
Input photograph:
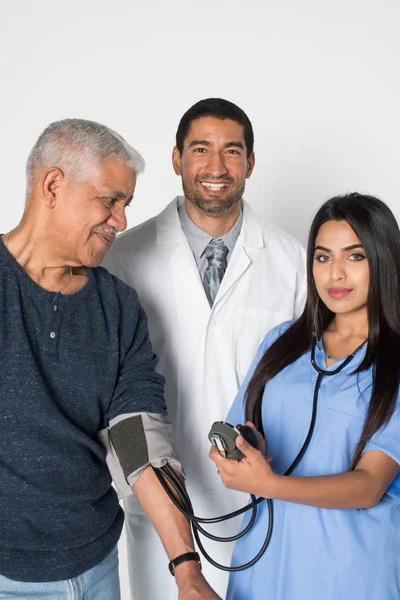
(213, 279)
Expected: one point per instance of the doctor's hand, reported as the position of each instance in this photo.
(252, 474)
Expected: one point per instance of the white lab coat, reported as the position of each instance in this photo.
(204, 355)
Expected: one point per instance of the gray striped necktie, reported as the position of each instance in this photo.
(216, 252)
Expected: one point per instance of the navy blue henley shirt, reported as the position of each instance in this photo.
(68, 364)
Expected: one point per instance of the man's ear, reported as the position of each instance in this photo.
(251, 161)
(176, 161)
(50, 184)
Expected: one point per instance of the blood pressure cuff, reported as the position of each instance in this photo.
(133, 442)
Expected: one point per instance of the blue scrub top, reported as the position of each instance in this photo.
(320, 554)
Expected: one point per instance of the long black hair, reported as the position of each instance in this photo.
(378, 231)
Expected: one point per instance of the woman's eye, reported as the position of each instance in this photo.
(356, 257)
(322, 258)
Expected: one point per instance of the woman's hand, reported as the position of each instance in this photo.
(252, 474)
(261, 445)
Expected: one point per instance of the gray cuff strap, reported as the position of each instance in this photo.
(133, 442)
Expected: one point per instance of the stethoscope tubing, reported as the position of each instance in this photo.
(321, 371)
(167, 473)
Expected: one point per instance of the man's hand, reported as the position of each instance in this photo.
(191, 583)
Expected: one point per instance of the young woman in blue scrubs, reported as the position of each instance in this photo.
(336, 527)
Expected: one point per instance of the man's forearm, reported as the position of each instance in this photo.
(175, 534)
(170, 524)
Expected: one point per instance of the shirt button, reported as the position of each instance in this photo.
(52, 335)
(55, 308)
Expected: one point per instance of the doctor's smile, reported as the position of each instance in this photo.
(215, 186)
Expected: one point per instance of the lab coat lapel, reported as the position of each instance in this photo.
(185, 277)
(250, 237)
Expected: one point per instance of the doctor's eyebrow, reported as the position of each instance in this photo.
(345, 249)
(208, 143)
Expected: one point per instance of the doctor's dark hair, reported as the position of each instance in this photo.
(377, 229)
(218, 108)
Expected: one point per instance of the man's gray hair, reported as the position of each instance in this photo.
(76, 146)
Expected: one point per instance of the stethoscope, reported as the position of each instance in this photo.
(166, 474)
(320, 371)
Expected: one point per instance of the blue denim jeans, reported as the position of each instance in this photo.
(99, 583)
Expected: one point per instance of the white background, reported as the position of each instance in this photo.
(319, 80)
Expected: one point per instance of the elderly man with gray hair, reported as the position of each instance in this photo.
(79, 394)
